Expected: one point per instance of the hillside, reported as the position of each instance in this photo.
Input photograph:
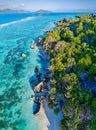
(72, 50)
(43, 11)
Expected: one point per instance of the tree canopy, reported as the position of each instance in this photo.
(72, 48)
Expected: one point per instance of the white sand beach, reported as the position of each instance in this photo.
(47, 119)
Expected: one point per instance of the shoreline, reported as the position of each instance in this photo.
(46, 117)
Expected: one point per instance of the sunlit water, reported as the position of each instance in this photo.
(16, 33)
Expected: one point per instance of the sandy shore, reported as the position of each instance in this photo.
(47, 119)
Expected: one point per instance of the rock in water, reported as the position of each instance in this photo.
(24, 55)
(36, 107)
(38, 87)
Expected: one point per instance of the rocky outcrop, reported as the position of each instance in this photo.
(64, 20)
(38, 87)
(58, 46)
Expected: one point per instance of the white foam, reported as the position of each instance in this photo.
(17, 21)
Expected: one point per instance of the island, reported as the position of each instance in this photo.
(43, 11)
(8, 10)
(72, 50)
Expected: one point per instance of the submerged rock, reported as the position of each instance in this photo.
(36, 106)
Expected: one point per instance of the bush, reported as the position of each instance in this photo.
(50, 105)
(63, 124)
(94, 103)
(53, 90)
(56, 111)
(67, 35)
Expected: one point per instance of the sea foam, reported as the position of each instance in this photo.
(17, 21)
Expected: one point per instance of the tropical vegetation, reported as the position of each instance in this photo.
(72, 50)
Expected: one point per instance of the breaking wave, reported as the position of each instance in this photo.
(17, 21)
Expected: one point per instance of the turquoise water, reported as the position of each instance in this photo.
(16, 33)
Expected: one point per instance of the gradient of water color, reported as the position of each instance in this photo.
(16, 33)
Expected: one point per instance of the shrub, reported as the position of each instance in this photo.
(50, 105)
(56, 111)
(67, 35)
(94, 103)
(53, 90)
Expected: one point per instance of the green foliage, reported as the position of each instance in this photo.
(94, 103)
(85, 61)
(72, 48)
(79, 28)
(93, 69)
(52, 97)
(93, 125)
(53, 90)
(67, 35)
(70, 79)
(63, 124)
(56, 111)
(50, 105)
(71, 115)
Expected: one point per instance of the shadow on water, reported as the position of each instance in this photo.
(14, 83)
(39, 75)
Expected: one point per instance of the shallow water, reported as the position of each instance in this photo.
(16, 33)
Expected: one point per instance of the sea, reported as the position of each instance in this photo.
(17, 30)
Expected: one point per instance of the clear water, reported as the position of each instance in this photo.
(16, 34)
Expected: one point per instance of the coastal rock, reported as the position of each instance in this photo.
(65, 20)
(38, 87)
(47, 42)
(40, 40)
(32, 47)
(58, 46)
(24, 55)
(47, 77)
(36, 107)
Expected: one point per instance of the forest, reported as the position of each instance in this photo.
(72, 50)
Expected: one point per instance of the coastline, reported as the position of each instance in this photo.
(17, 92)
(46, 117)
(53, 118)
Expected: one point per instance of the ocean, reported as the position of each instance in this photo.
(17, 30)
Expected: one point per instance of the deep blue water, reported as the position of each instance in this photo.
(17, 30)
